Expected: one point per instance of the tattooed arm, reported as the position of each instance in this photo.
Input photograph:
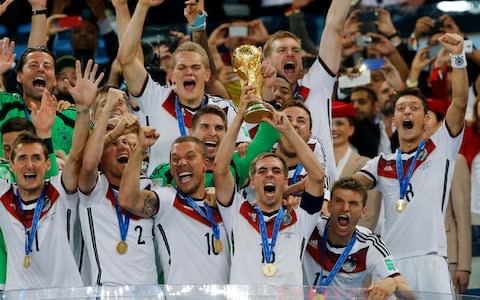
(143, 203)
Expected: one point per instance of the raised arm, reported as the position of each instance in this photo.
(4, 5)
(316, 174)
(331, 43)
(95, 144)
(455, 117)
(142, 203)
(224, 182)
(194, 12)
(7, 57)
(133, 70)
(84, 94)
(367, 182)
(123, 17)
(38, 34)
(43, 118)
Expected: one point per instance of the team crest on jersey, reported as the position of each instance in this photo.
(47, 204)
(253, 215)
(388, 168)
(349, 265)
(313, 243)
(423, 154)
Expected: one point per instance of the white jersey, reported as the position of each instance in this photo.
(419, 229)
(241, 221)
(316, 88)
(101, 233)
(185, 242)
(158, 103)
(52, 262)
(319, 151)
(368, 256)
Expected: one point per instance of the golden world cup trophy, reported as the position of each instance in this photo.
(247, 62)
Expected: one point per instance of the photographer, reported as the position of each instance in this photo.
(374, 35)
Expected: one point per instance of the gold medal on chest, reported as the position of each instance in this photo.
(26, 261)
(269, 269)
(217, 246)
(122, 247)
(401, 205)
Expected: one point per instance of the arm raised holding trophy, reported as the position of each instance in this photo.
(247, 62)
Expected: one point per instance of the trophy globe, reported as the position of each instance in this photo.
(247, 62)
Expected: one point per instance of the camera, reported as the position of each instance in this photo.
(367, 15)
(364, 41)
(367, 18)
(436, 28)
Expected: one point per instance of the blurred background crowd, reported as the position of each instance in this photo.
(387, 45)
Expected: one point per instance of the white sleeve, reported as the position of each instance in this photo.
(230, 213)
(370, 170)
(380, 262)
(320, 83)
(166, 197)
(449, 145)
(152, 96)
(71, 200)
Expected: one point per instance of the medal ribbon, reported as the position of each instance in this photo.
(404, 181)
(209, 216)
(296, 174)
(268, 248)
(36, 217)
(340, 260)
(122, 223)
(179, 115)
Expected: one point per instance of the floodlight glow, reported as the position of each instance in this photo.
(454, 6)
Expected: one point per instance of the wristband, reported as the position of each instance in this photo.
(411, 84)
(459, 61)
(49, 144)
(36, 12)
(199, 23)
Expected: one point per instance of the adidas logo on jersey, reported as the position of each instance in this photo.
(313, 243)
(253, 216)
(388, 168)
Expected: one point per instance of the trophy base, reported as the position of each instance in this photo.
(256, 112)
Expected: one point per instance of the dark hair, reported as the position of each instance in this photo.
(26, 138)
(412, 92)
(253, 165)
(23, 58)
(352, 184)
(300, 104)
(371, 93)
(189, 139)
(209, 109)
(18, 124)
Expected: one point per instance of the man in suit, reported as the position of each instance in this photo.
(348, 161)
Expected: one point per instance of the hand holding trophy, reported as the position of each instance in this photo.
(247, 62)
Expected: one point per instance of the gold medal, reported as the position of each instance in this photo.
(217, 246)
(269, 269)
(318, 297)
(400, 205)
(122, 247)
(26, 261)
